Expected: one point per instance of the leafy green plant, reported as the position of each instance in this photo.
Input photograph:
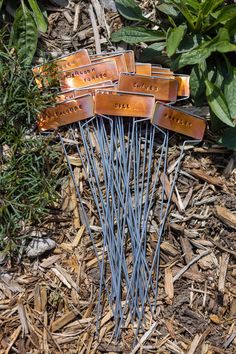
(199, 37)
(29, 163)
(28, 21)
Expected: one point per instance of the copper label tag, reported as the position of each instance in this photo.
(163, 89)
(67, 62)
(119, 59)
(178, 121)
(164, 74)
(143, 69)
(67, 112)
(160, 69)
(130, 61)
(184, 87)
(89, 74)
(66, 95)
(128, 55)
(116, 103)
(92, 89)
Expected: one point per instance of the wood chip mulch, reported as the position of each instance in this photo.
(48, 305)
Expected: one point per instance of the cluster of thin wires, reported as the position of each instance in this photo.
(124, 163)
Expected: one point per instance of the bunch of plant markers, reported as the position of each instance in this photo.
(119, 114)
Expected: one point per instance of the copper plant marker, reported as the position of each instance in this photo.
(143, 69)
(130, 60)
(92, 90)
(119, 59)
(66, 95)
(183, 81)
(79, 58)
(66, 112)
(89, 74)
(128, 55)
(69, 94)
(184, 86)
(160, 69)
(126, 104)
(162, 88)
(174, 119)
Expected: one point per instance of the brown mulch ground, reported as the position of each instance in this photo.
(49, 305)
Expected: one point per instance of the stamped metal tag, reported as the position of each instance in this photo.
(92, 89)
(159, 69)
(184, 86)
(130, 60)
(126, 104)
(79, 58)
(143, 69)
(66, 95)
(119, 59)
(128, 55)
(163, 89)
(174, 119)
(89, 74)
(69, 94)
(66, 112)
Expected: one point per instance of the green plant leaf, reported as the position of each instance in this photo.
(207, 6)
(168, 9)
(219, 43)
(130, 10)
(184, 9)
(224, 15)
(197, 86)
(134, 35)
(223, 47)
(192, 57)
(1, 3)
(190, 42)
(230, 91)
(39, 18)
(218, 103)
(25, 35)
(229, 138)
(152, 51)
(174, 37)
(193, 5)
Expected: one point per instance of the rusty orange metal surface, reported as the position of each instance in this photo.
(92, 90)
(79, 58)
(160, 69)
(162, 88)
(66, 112)
(130, 60)
(143, 69)
(119, 59)
(179, 121)
(124, 104)
(128, 55)
(183, 81)
(69, 94)
(66, 95)
(164, 74)
(88, 75)
(184, 86)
